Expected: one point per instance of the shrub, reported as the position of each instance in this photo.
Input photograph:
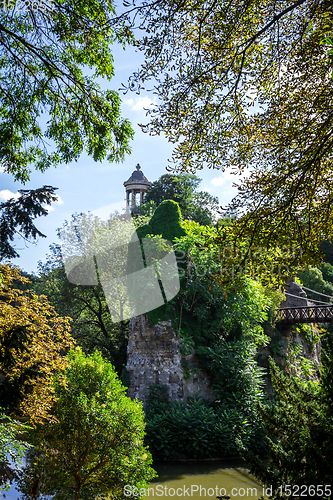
(300, 430)
(198, 429)
(94, 447)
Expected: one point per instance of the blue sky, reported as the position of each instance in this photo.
(87, 186)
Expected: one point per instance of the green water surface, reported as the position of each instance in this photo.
(203, 481)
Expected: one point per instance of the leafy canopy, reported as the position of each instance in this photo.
(42, 56)
(33, 344)
(51, 110)
(248, 85)
(94, 447)
(227, 257)
(199, 206)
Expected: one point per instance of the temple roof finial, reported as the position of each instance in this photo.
(137, 177)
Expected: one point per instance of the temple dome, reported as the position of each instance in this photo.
(137, 177)
(136, 184)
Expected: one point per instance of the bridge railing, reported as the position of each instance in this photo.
(306, 314)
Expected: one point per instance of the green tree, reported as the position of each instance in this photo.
(299, 426)
(43, 53)
(327, 271)
(33, 342)
(243, 86)
(203, 208)
(16, 217)
(92, 326)
(312, 277)
(95, 446)
(194, 205)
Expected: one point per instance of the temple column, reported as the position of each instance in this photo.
(127, 200)
(133, 199)
(141, 196)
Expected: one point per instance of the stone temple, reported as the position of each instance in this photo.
(136, 184)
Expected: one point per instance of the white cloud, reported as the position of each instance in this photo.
(218, 181)
(59, 200)
(129, 102)
(139, 103)
(229, 176)
(50, 208)
(6, 195)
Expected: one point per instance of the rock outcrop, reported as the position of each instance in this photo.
(154, 357)
(286, 340)
(295, 295)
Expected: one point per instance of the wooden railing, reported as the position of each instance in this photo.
(308, 314)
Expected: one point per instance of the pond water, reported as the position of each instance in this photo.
(193, 480)
(203, 480)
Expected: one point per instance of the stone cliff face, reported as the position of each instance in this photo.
(285, 339)
(154, 357)
(154, 354)
(295, 295)
(283, 345)
(296, 334)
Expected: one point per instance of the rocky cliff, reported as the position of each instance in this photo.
(154, 357)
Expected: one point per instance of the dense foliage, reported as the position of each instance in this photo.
(248, 85)
(199, 206)
(216, 277)
(199, 429)
(94, 446)
(91, 324)
(226, 257)
(33, 344)
(312, 277)
(299, 427)
(327, 271)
